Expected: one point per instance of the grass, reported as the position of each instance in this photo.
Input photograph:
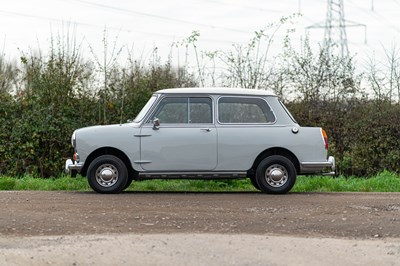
(32, 183)
(193, 185)
(383, 182)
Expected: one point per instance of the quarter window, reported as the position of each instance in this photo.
(235, 110)
(184, 110)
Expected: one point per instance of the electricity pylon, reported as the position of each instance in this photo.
(335, 28)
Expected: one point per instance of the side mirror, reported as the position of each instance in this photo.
(156, 124)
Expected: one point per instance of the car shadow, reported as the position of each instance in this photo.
(133, 192)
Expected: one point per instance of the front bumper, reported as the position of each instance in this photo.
(325, 168)
(72, 167)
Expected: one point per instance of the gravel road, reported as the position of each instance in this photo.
(85, 228)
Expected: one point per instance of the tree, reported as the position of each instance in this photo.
(8, 75)
(50, 105)
(252, 65)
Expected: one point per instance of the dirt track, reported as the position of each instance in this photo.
(350, 215)
(81, 228)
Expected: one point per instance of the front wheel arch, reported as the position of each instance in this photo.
(109, 151)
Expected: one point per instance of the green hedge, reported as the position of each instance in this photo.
(35, 138)
(62, 92)
(364, 135)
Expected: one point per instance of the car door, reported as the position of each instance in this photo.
(185, 140)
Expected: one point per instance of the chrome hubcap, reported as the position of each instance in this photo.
(276, 175)
(106, 175)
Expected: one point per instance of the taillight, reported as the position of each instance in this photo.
(325, 137)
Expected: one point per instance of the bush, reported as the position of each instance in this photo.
(364, 136)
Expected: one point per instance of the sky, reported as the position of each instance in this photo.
(143, 25)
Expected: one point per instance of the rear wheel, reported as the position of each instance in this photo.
(276, 174)
(107, 174)
(130, 180)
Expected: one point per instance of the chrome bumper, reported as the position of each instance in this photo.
(325, 168)
(71, 166)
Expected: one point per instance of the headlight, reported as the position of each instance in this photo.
(73, 140)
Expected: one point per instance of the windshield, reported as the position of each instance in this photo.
(144, 110)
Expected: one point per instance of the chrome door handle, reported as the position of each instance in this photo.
(205, 129)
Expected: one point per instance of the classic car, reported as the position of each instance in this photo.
(203, 133)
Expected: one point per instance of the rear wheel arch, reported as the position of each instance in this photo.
(275, 151)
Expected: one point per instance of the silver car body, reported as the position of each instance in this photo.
(203, 150)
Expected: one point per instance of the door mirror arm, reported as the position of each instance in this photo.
(156, 124)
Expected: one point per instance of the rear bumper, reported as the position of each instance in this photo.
(71, 166)
(326, 168)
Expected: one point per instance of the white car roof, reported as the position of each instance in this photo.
(217, 90)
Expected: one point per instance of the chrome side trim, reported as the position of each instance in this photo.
(142, 161)
(191, 175)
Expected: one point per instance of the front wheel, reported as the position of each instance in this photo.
(254, 182)
(276, 174)
(107, 174)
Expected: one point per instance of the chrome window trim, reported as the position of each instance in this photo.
(141, 121)
(147, 121)
(287, 111)
(244, 124)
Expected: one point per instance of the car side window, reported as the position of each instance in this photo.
(184, 110)
(238, 110)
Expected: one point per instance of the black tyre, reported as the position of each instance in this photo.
(130, 180)
(276, 175)
(107, 174)
(254, 182)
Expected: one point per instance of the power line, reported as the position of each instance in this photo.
(57, 20)
(377, 16)
(397, 2)
(11, 13)
(246, 6)
(125, 10)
